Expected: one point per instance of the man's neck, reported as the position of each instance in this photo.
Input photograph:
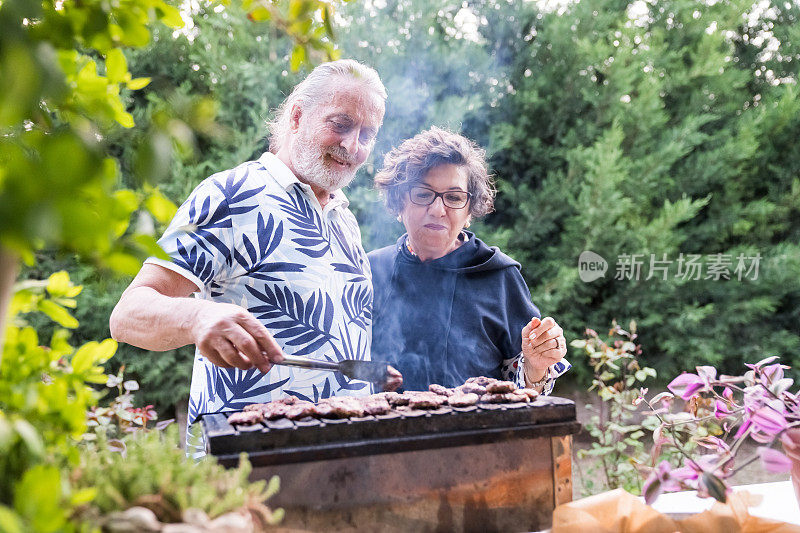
(323, 196)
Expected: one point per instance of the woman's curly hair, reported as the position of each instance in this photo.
(408, 163)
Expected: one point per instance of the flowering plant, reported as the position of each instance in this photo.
(721, 413)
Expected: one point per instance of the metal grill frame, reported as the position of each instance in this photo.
(284, 441)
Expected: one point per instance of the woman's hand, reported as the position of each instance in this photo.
(543, 344)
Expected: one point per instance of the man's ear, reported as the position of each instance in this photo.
(294, 118)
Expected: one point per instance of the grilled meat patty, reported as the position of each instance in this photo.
(475, 390)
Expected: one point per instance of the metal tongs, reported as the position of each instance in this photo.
(372, 371)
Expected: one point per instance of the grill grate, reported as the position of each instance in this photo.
(402, 429)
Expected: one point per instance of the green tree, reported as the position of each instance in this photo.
(656, 129)
(65, 87)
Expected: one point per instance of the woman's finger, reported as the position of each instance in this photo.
(544, 324)
(551, 356)
(552, 333)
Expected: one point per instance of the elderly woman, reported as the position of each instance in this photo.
(447, 306)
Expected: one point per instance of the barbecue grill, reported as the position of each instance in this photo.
(501, 467)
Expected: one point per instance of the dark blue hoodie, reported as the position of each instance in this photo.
(449, 319)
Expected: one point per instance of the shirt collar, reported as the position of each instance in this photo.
(284, 177)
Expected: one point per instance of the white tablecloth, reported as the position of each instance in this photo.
(779, 502)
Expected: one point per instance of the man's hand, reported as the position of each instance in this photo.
(157, 313)
(543, 344)
(229, 336)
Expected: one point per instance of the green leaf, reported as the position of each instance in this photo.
(160, 206)
(137, 83)
(274, 486)
(59, 343)
(91, 354)
(58, 314)
(259, 14)
(116, 65)
(58, 283)
(105, 351)
(298, 57)
(83, 496)
(124, 119)
(170, 16)
(123, 262)
(100, 378)
(10, 521)
(150, 245)
(37, 497)
(326, 20)
(31, 437)
(84, 358)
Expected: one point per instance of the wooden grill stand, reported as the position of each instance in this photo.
(490, 468)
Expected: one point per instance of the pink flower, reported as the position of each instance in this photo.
(720, 410)
(714, 443)
(711, 485)
(772, 373)
(761, 363)
(774, 461)
(728, 394)
(660, 480)
(743, 429)
(706, 373)
(769, 421)
(686, 385)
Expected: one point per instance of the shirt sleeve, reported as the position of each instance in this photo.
(199, 239)
(512, 370)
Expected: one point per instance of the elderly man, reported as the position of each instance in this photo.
(269, 244)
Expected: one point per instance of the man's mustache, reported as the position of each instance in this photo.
(342, 155)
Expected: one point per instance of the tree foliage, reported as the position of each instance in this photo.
(657, 131)
(623, 128)
(619, 127)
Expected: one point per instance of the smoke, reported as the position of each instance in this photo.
(442, 65)
(439, 69)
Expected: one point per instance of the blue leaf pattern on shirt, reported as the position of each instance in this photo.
(256, 261)
(352, 350)
(303, 324)
(357, 304)
(202, 222)
(314, 240)
(234, 195)
(299, 396)
(194, 261)
(356, 259)
(254, 236)
(236, 387)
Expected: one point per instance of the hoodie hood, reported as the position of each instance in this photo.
(472, 256)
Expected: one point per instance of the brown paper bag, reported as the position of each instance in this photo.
(617, 511)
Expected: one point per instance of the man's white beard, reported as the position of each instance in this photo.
(309, 163)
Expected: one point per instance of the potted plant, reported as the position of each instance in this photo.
(721, 413)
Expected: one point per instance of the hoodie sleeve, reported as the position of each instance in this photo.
(520, 310)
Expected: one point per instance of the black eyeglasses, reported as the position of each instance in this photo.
(426, 196)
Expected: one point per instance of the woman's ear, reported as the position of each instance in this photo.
(467, 223)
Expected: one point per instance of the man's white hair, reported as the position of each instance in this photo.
(316, 86)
